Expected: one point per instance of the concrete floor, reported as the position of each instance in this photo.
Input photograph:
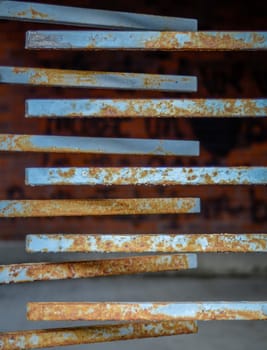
(232, 335)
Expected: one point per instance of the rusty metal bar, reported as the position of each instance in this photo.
(98, 145)
(169, 108)
(147, 176)
(29, 272)
(150, 311)
(54, 337)
(97, 80)
(56, 14)
(164, 243)
(154, 40)
(83, 207)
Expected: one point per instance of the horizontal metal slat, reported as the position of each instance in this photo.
(56, 14)
(83, 207)
(150, 311)
(96, 80)
(144, 40)
(54, 337)
(169, 108)
(97, 145)
(29, 272)
(164, 243)
(147, 176)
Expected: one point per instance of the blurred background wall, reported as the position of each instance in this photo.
(223, 142)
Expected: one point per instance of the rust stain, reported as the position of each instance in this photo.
(37, 14)
(229, 315)
(226, 41)
(32, 13)
(167, 108)
(21, 14)
(203, 41)
(142, 243)
(66, 174)
(61, 77)
(167, 41)
(18, 70)
(13, 142)
(17, 142)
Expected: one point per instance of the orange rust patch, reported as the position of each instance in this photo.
(66, 174)
(61, 77)
(37, 15)
(166, 41)
(203, 41)
(216, 243)
(224, 41)
(21, 14)
(198, 108)
(18, 70)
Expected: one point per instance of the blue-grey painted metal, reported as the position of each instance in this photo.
(97, 145)
(97, 80)
(112, 108)
(56, 14)
(123, 40)
(153, 243)
(147, 176)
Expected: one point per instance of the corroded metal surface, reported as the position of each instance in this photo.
(91, 79)
(146, 108)
(224, 242)
(162, 311)
(53, 14)
(82, 207)
(143, 40)
(147, 176)
(98, 145)
(30, 272)
(55, 337)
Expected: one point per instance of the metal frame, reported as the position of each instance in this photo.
(150, 311)
(164, 243)
(141, 108)
(52, 14)
(97, 80)
(97, 145)
(54, 337)
(147, 40)
(84, 207)
(29, 272)
(147, 176)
